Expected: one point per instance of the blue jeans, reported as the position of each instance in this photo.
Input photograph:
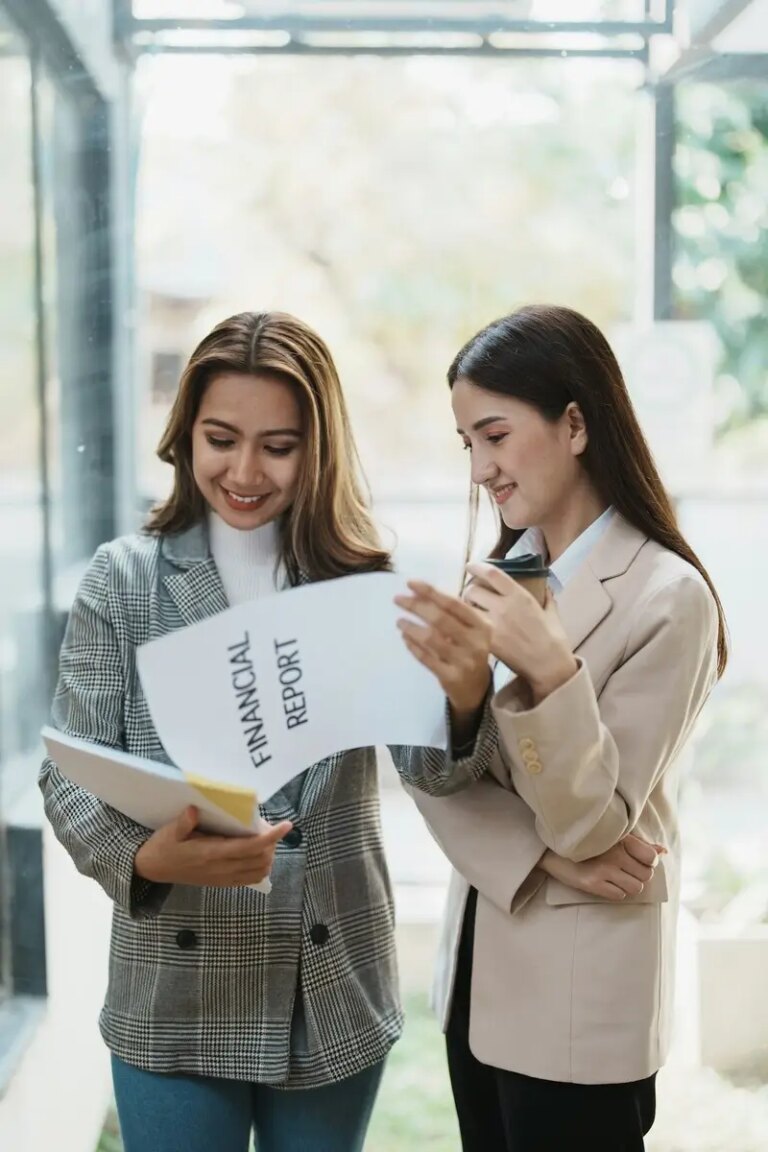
(159, 1112)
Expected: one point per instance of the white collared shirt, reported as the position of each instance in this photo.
(560, 570)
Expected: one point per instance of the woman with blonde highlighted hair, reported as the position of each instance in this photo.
(330, 531)
(230, 1011)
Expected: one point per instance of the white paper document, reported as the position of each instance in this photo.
(249, 698)
(147, 791)
(254, 695)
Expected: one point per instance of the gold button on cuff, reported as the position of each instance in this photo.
(526, 742)
(534, 767)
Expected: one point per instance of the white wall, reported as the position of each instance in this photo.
(733, 968)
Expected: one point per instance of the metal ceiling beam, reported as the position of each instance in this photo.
(723, 14)
(299, 48)
(735, 66)
(700, 61)
(705, 66)
(481, 25)
(51, 41)
(148, 35)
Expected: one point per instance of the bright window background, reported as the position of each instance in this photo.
(398, 205)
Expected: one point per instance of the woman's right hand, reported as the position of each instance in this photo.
(452, 640)
(178, 854)
(622, 871)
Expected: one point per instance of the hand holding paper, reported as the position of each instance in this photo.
(452, 640)
(178, 854)
(249, 698)
(152, 793)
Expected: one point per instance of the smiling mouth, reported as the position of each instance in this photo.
(238, 501)
(501, 495)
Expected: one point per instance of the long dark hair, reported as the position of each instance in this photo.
(549, 357)
(329, 530)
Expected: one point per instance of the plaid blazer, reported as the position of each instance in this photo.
(298, 988)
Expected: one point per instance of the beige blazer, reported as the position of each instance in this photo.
(566, 986)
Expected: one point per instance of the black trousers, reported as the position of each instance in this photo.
(501, 1111)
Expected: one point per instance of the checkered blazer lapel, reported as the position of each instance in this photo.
(190, 576)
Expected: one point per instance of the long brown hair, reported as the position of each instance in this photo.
(329, 530)
(549, 357)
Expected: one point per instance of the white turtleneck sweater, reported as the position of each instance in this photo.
(247, 560)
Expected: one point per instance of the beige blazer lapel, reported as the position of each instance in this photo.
(585, 601)
(582, 605)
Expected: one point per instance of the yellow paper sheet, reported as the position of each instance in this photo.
(236, 801)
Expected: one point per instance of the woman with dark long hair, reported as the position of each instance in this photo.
(556, 993)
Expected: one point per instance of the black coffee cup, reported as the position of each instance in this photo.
(528, 570)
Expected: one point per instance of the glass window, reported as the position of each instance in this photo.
(67, 357)
(77, 380)
(22, 549)
(54, 434)
(486, 147)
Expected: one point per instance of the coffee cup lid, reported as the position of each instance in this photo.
(528, 564)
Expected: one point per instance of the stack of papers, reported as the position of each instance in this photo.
(247, 699)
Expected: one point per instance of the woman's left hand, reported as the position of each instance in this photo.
(529, 639)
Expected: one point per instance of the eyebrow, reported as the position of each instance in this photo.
(270, 431)
(481, 424)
